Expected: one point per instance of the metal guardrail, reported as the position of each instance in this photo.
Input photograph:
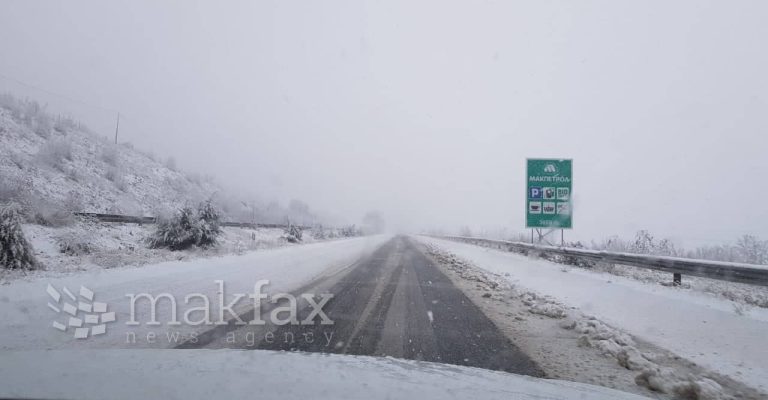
(724, 271)
(131, 219)
(253, 226)
(127, 219)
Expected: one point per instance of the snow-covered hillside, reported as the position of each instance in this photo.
(56, 165)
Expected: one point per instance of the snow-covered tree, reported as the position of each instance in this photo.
(209, 221)
(177, 233)
(15, 251)
(187, 229)
(665, 247)
(293, 233)
(643, 243)
(752, 250)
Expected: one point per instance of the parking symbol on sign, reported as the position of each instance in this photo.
(535, 192)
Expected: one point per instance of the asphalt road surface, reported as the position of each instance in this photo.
(394, 302)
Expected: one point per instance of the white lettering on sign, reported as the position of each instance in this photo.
(562, 179)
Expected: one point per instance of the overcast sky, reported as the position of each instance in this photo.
(426, 110)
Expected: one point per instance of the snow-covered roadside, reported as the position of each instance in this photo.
(214, 374)
(695, 326)
(744, 296)
(27, 319)
(91, 246)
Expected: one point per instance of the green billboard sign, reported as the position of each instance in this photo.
(548, 193)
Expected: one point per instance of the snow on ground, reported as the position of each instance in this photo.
(701, 328)
(743, 295)
(213, 374)
(90, 245)
(27, 318)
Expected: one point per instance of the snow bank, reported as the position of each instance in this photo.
(701, 328)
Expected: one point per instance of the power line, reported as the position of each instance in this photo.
(71, 99)
(68, 98)
(121, 117)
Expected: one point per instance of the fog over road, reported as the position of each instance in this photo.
(394, 302)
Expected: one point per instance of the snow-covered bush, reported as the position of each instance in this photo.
(55, 152)
(350, 231)
(293, 234)
(29, 113)
(177, 233)
(318, 232)
(188, 228)
(210, 228)
(15, 251)
(747, 249)
(76, 243)
(63, 125)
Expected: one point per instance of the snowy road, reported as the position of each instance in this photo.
(394, 302)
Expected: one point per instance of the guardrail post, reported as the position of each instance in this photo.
(677, 279)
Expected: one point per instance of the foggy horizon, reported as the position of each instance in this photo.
(427, 112)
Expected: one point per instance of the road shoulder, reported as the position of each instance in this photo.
(572, 346)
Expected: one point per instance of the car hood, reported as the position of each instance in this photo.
(211, 374)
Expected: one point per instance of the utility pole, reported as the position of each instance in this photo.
(117, 127)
